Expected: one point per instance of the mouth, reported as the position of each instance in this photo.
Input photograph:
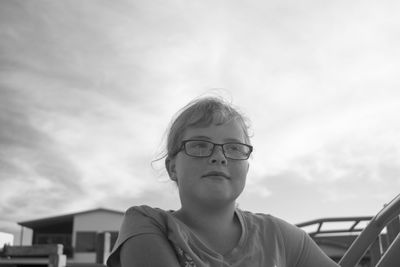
(216, 174)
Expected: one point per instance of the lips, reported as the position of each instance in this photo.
(216, 173)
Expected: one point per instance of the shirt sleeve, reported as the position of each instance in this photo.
(300, 249)
(134, 223)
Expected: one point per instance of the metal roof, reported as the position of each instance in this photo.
(61, 218)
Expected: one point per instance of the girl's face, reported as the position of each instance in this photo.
(215, 179)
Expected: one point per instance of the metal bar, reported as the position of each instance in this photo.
(375, 252)
(354, 225)
(24, 261)
(337, 231)
(392, 256)
(335, 219)
(34, 250)
(384, 239)
(319, 227)
(393, 228)
(367, 237)
(50, 255)
(389, 212)
(360, 245)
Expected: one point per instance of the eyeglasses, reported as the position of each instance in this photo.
(203, 149)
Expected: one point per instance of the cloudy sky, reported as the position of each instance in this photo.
(88, 88)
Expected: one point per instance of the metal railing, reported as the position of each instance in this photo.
(353, 228)
(370, 239)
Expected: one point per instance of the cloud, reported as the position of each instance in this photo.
(88, 88)
(32, 164)
(332, 154)
(360, 176)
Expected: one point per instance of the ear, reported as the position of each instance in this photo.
(170, 166)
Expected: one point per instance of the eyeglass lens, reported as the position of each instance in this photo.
(199, 148)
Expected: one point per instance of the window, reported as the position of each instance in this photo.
(85, 242)
(113, 238)
(48, 238)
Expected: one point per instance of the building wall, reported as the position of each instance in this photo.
(24, 237)
(98, 221)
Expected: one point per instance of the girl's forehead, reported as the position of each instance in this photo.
(231, 131)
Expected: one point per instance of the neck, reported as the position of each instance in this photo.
(218, 227)
(206, 219)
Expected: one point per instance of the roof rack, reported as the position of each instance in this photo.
(354, 226)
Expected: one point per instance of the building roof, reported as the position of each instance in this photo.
(61, 218)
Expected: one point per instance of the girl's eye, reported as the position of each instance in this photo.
(233, 147)
(202, 145)
(199, 145)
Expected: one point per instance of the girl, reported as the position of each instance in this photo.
(208, 147)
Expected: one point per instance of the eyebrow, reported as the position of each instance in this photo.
(233, 140)
(201, 137)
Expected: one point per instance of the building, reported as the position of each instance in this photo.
(78, 232)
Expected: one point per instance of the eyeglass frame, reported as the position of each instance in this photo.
(183, 147)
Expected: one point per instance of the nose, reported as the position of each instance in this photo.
(218, 157)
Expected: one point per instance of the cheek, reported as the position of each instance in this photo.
(239, 174)
(188, 168)
(241, 169)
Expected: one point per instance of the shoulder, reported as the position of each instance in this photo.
(271, 227)
(144, 218)
(147, 250)
(285, 239)
(139, 221)
(288, 242)
(143, 239)
(144, 210)
(267, 221)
